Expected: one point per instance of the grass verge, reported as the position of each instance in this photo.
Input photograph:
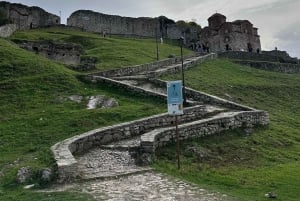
(243, 166)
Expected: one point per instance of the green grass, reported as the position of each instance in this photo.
(36, 113)
(111, 52)
(243, 166)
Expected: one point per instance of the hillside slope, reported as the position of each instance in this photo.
(246, 166)
(36, 112)
(111, 52)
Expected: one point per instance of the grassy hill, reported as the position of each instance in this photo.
(111, 52)
(36, 111)
(245, 166)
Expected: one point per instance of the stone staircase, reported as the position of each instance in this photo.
(120, 158)
(120, 149)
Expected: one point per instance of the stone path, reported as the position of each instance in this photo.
(118, 158)
(107, 163)
(116, 177)
(149, 186)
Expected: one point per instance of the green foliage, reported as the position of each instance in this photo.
(21, 194)
(187, 25)
(244, 166)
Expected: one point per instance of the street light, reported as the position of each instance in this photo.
(156, 40)
(182, 71)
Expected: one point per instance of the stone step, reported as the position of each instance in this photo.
(131, 144)
(114, 174)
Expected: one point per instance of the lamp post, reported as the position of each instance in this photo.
(182, 71)
(156, 40)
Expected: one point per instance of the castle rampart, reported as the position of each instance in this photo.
(27, 17)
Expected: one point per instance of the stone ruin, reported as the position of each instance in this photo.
(221, 36)
(138, 27)
(66, 53)
(27, 17)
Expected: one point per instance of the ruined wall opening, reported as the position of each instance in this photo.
(36, 50)
(250, 49)
(227, 47)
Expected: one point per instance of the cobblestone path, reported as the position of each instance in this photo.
(149, 186)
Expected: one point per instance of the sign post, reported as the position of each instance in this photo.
(175, 107)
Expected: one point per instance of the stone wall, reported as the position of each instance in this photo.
(270, 66)
(28, 17)
(225, 121)
(282, 56)
(264, 56)
(113, 24)
(62, 52)
(204, 98)
(133, 70)
(67, 164)
(127, 26)
(7, 30)
(63, 151)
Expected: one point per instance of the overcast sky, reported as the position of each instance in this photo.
(278, 21)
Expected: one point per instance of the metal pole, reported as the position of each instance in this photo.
(182, 72)
(157, 56)
(178, 145)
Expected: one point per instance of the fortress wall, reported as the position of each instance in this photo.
(113, 24)
(28, 17)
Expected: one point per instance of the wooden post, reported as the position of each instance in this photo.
(178, 145)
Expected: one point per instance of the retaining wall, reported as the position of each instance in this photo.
(67, 164)
(272, 56)
(133, 70)
(200, 97)
(225, 121)
(269, 66)
(204, 98)
(63, 151)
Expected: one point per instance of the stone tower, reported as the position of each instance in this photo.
(216, 20)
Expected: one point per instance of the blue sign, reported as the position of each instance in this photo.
(174, 89)
(174, 92)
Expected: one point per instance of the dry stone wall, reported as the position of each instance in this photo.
(263, 56)
(204, 98)
(63, 151)
(151, 137)
(270, 66)
(151, 67)
(225, 121)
